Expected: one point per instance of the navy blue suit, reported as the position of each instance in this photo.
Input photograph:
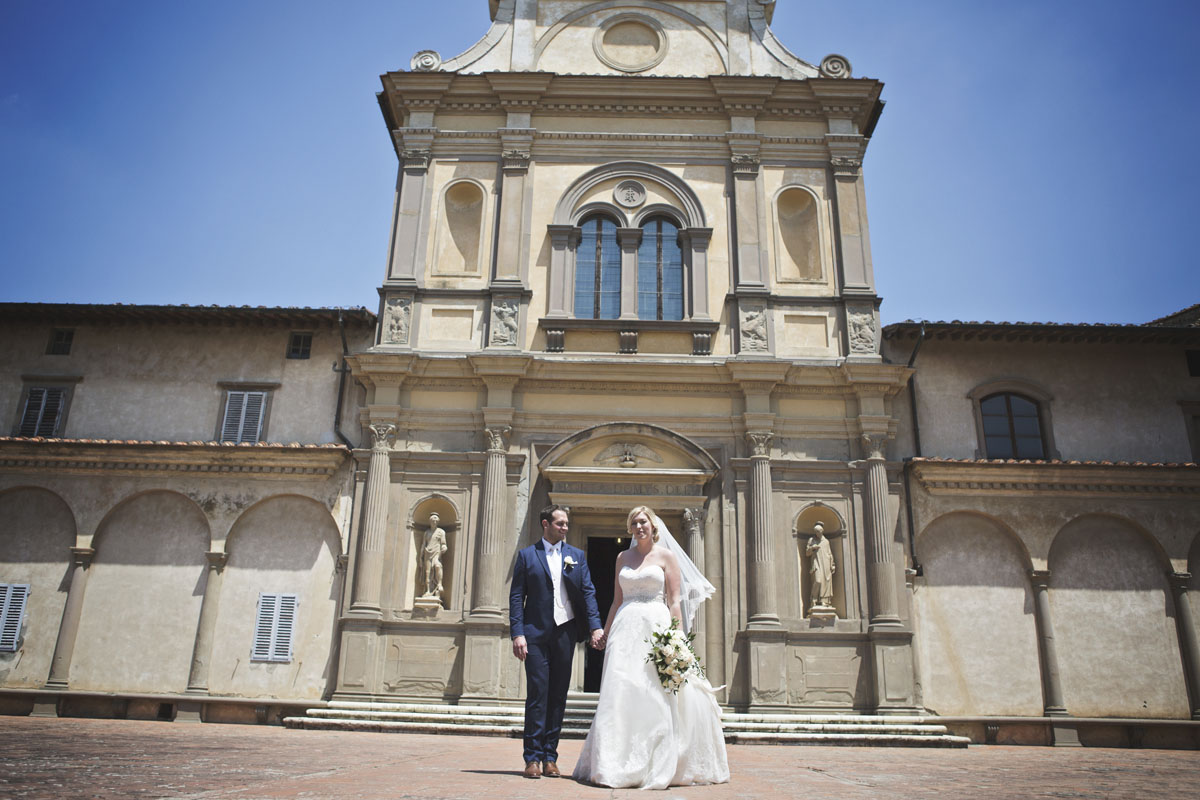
(551, 647)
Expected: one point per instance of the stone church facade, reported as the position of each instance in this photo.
(630, 264)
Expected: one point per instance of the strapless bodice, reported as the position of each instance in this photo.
(642, 585)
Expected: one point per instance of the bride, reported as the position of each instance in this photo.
(643, 735)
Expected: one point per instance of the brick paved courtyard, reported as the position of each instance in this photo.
(69, 758)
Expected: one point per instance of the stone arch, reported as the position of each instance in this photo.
(659, 210)
(689, 19)
(145, 587)
(797, 214)
(690, 206)
(36, 537)
(1118, 648)
(588, 210)
(283, 544)
(977, 636)
(696, 455)
(103, 525)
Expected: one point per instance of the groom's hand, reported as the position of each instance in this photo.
(520, 648)
(598, 639)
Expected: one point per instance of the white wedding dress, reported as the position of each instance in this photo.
(643, 736)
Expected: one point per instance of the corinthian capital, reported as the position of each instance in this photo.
(381, 432)
(498, 437)
(874, 444)
(760, 442)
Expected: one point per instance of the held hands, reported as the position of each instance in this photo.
(598, 639)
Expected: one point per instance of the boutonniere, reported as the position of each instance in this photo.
(568, 562)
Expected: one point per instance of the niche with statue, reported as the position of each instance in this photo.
(434, 524)
(820, 534)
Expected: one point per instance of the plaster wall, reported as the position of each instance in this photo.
(36, 535)
(1117, 643)
(285, 545)
(1113, 402)
(977, 640)
(138, 625)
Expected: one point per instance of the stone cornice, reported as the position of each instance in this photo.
(90, 456)
(1061, 478)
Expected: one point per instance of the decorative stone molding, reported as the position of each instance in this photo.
(615, 32)
(627, 342)
(416, 159)
(701, 343)
(844, 167)
(860, 330)
(693, 519)
(835, 66)
(516, 160)
(381, 434)
(753, 327)
(397, 315)
(874, 445)
(555, 339)
(744, 164)
(1016, 478)
(760, 443)
(160, 458)
(427, 61)
(505, 316)
(629, 194)
(497, 437)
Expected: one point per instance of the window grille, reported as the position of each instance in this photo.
(12, 613)
(273, 627)
(43, 410)
(243, 416)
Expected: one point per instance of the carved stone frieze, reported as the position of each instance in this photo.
(627, 454)
(862, 334)
(753, 326)
(505, 314)
(397, 313)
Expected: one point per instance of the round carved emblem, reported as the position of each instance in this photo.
(630, 42)
(835, 66)
(629, 194)
(426, 61)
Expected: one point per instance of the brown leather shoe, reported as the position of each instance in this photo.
(534, 770)
(550, 769)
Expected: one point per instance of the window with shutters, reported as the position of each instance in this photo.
(42, 410)
(12, 614)
(274, 627)
(245, 413)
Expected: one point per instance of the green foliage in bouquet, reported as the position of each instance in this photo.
(673, 656)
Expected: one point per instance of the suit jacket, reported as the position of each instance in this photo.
(531, 597)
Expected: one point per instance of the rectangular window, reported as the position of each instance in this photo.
(12, 613)
(44, 410)
(60, 342)
(243, 418)
(273, 627)
(300, 344)
(1193, 362)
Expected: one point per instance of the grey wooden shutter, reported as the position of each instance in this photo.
(243, 416)
(43, 408)
(274, 627)
(12, 612)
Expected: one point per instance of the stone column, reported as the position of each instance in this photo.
(1051, 682)
(68, 629)
(202, 649)
(492, 524)
(695, 245)
(368, 571)
(629, 239)
(881, 571)
(693, 543)
(563, 240)
(1185, 625)
(763, 596)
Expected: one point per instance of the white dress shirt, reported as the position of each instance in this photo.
(562, 604)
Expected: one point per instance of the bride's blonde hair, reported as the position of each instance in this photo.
(650, 515)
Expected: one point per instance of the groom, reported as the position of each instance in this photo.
(551, 606)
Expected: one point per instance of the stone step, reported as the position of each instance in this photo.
(789, 729)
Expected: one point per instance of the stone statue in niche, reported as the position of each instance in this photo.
(862, 332)
(432, 551)
(395, 320)
(820, 569)
(504, 322)
(754, 328)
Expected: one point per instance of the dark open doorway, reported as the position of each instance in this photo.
(601, 559)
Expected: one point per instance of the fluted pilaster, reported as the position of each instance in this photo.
(368, 573)
(1052, 699)
(202, 648)
(763, 611)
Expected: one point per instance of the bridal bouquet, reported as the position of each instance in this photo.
(672, 655)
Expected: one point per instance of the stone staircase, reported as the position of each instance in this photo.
(820, 729)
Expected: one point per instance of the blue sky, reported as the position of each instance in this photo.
(1036, 160)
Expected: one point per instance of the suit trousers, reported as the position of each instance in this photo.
(547, 678)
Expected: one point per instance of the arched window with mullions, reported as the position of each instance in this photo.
(598, 270)
(1012, 426)
(660, 271)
